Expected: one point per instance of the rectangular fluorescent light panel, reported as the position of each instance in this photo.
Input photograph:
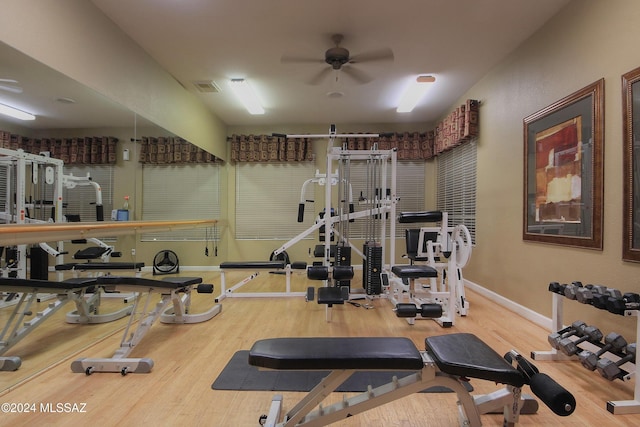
(15, 113)
(246, 95)
(414, 93)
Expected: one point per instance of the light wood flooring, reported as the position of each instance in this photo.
(188, 358)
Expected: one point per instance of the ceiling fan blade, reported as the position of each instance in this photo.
(318, 78)
(14, 89)
(384, 54)
(286, 59)
(357, 75)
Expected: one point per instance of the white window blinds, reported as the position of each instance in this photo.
(409, 188)
(180, 192)
(81, 200)
(456, 187)
(267, 199)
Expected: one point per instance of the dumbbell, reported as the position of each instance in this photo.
(571, 289)
(611, 370)
(628, 301)
(570, 347)
(599, 300)
(602, 294)
(557, 288)
(584, 295)
(613, 342)
(576, 328)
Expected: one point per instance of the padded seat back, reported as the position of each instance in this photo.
(466, 355)
(412, 239)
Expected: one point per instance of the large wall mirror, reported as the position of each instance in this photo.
(66, 109)
(631, 168)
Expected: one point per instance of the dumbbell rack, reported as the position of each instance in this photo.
(618, 407)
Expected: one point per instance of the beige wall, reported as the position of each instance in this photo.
(587, 41)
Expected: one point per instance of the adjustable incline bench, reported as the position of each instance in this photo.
(172, 290)
(75, 289)
(449, 361)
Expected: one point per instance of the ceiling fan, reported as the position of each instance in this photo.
(10, 85)
(339, 56)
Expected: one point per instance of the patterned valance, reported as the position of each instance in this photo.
(172, 150)
(410, 145)
(460, 126)
(94, 150)
(263, 148)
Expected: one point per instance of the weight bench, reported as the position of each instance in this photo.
(449, 361)
(76, 267)
(255, 266)
(172, 290)
(20, 323)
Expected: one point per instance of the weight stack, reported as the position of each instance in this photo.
(371, 268)
(343, 257)
(39, 263)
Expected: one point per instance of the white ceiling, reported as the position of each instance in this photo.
(457, 41)
(42, 87)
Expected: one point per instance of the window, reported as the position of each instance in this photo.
(267, 199)
(180, 192)
(409, 189)
(456, 187)
(81, 200)
(268, 195)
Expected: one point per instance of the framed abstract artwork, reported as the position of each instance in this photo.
(631, 165)
(563, 170)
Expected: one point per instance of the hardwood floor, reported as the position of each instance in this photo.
(188, 358)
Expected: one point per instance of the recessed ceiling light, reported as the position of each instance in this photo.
(65, 100)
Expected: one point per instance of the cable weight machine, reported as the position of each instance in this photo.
(378, 199)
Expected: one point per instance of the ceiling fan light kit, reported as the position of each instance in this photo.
(15, 113)
(246, 95)
(340, 60)
(414, 93)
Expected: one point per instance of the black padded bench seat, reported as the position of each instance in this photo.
(92, 252)
(423, 216)
(100, 266)
(165, 283)
(414, 271)
(69, 284)
(332, 295)
(359, 353)
(466, 355)
(318, 251)
(248, 265)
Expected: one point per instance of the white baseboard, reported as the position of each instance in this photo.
(525, 312)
